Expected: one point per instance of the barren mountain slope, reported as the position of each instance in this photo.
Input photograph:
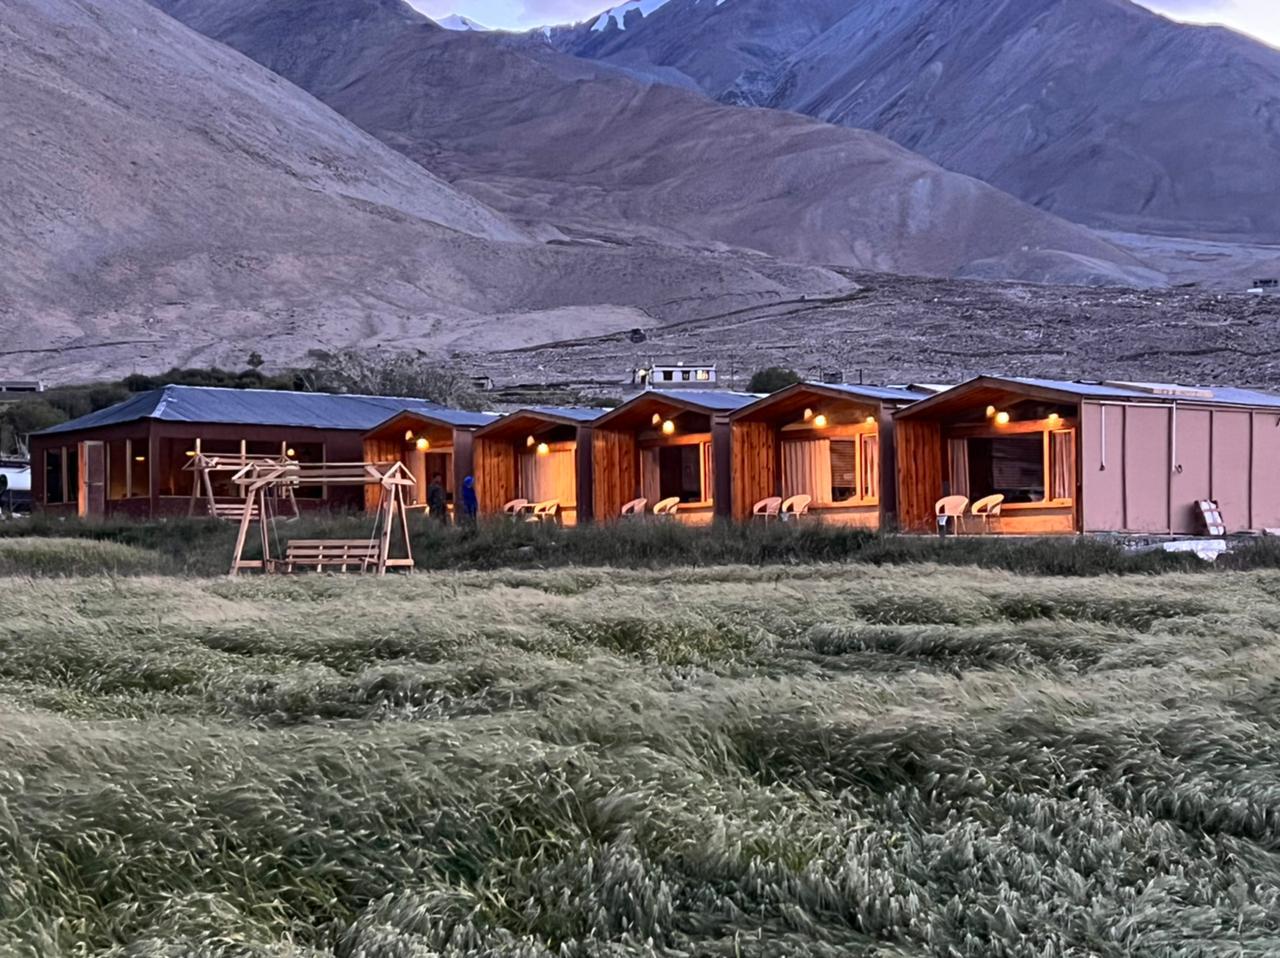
(167, 200)
(1098, 110)
(542, 136)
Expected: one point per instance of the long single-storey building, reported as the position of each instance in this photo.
(667, 445)
(541, 455)
(831, 443)
(429, 442)
(1086, 457)
(132, 458)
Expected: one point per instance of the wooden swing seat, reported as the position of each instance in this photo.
(232, 511)
(319, 554)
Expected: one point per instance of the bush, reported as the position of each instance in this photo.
(772, 379)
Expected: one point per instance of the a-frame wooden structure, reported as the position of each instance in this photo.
(204, 467)
(261, 483)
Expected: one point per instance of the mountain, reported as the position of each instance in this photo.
(596, 152)
(167, 200)
(456, 21)
(1097, 110)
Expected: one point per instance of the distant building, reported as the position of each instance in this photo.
(677, 375)
(11, 389)
(1266, 285)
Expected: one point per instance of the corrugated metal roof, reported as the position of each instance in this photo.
(576, 413)
(886, 393)
(1169, 392)
(265, 407)
(716, 400)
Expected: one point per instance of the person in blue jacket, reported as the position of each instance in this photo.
(470, 504)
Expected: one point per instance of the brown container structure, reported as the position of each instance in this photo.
(429, 443)
(1079, 457)
(833, 443)
(540, 454)
(131, 459)
(667, 445)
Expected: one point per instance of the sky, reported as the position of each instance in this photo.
(1258, 17)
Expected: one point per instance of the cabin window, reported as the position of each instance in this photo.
(117, 469)
(844, 470)
(139, 469)
(704, 375)
(1062, 465)
(668, 375)
(680, 473)
(54, 480)
(1011, 466)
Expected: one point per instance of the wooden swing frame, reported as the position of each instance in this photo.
(263, 483)
(203, 467)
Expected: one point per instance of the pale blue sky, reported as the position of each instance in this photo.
(1259, 17)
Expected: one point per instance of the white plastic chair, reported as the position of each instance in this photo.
(952, 507)
(987, 507)
(767, 509)
(795, 507)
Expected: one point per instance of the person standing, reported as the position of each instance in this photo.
(437, 501)
(470, 502)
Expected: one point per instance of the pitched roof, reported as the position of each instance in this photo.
(797, 395)
(263, 407)
(536, 417)
(713, 400)
(904, 394)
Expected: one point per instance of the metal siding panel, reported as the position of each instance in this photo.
(1192, 475)
(1229, 469)
(1266, 471)
(1146, 469)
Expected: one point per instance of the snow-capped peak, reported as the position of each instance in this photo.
(456, 21)
(619, 13)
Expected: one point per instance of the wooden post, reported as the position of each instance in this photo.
(388, 510)
(242, 535)
(404, 525)
(266, 533)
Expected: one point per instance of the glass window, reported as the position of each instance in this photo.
(117, 470)
(54, 490)
(1012, 466)
(139, 470)
(686, 375)
(71, 456)
(680, 472)
(704, 375)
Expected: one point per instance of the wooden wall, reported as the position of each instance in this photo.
(919, 445)
(585, 470)
(494, 468)
(379, 450)
(615, 467)
(754, 465)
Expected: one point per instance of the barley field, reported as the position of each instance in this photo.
(807, 760)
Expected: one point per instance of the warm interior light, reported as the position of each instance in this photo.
(1054, 419)
(408, 435)
(290, 453)
(139, 458)
(424, 444)
(820, 421)
(543, 449)
(191, 453)
(991, 412)
(871, 420)
(808, 414)
(530, 441)
(1002, 418)
(668, 428)
(657, 418)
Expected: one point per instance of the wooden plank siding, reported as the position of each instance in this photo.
(616, 479)
(754, 465)
(919, 447)
(378, 450)
(494, 462)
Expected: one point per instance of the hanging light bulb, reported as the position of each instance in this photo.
(991, 412)
(191, 453)
(408, 435)
(1002, 418)
(1054, 419)
(423, 444)
(871, 420)
(544, 449)
(668, 428)
(808, 414)
(657, 418)
(139, 458)
(820, 421)
(529, 441)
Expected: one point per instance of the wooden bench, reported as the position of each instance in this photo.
(321, 554)
(232, 511)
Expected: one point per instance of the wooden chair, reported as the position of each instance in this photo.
(515, 507)
(667, 508)
(767, 509)
(795, 507)
(985, 508)
(952, 507)
(634, 509)
(548, 511)
(319, 554)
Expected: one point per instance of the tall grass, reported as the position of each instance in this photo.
(813, 760)
(202, 547)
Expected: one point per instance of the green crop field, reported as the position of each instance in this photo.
(798, 759)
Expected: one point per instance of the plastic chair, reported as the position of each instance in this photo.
(548, 511)
(952, 507)
(515, 507)
(667, 508)
(635, 508)
(987, 507)
(795, 507)
(767, 509)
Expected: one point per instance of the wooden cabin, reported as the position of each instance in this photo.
(665, 445)
(131, 458)
(429, 443)
(832, 443)
(541, 455)
(1083, 457)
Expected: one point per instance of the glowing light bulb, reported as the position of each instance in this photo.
(191, 453)
(530, 441)
(991, 412)
(543, 449)
(1002, 418)
(423, 444)
(1054, 419)
(668, 428)
(290, 453)
(139, 458)
(808, 414)
(871, 420)
(820, 421)
(408, 435)
(657, 418)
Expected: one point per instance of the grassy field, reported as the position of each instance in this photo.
(821, 760)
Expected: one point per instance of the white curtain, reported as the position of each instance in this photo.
(870, 487)
(806, 469)
(958, 453)
(650, 476)
(553, 476)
